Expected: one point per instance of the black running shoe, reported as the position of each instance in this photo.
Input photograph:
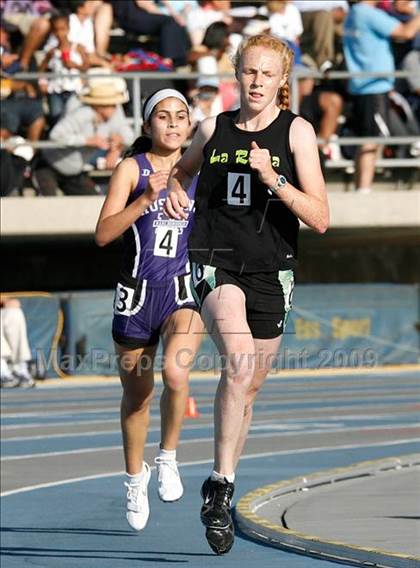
(216, 515)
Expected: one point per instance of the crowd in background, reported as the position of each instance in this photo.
(69, 37)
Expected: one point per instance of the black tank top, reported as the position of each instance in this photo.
(239, 225)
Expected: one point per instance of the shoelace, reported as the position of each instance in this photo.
(171, 464)
(223, 495)
(132, 492)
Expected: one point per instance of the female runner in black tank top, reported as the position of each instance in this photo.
(260, 174)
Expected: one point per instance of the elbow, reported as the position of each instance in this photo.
(322, 228)
(100, 242)
(322, 225)
(100, 239)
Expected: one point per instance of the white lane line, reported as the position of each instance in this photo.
(201, 440)
(206, 461)
(295, 393)
(62, 423)
(273, 424)
(202, 425)
(355, 417)
(302, 406)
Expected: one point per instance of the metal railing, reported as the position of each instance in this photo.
(136, 100)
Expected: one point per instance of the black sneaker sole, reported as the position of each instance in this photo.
(220, 540)
(173, 500)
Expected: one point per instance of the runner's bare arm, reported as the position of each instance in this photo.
(115, 217)
(310, 203)
(186, 168)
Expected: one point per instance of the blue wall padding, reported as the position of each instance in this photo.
(353, 325)
(330, 326)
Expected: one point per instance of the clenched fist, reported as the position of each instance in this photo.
(260, 160)
(157, 182)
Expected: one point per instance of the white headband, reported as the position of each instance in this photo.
(160, 96)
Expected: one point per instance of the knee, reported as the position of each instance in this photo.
(251, 395)
(240, 369)
(331, 103)
(41, 26)
(175, 381)
(336, 102)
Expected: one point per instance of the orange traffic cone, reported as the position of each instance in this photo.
(191, 409)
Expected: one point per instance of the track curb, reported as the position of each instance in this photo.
(258, 528)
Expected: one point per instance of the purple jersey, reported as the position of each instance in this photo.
(156, 247)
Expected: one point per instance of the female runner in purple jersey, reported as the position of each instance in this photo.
(153, 297)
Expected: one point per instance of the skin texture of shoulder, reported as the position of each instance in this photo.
(124, 179)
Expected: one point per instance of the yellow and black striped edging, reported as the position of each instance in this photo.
(278, 536)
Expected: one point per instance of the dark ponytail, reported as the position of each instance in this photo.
(140, 145)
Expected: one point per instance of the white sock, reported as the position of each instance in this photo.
(168, 455)
(136, 477)
(216, 476)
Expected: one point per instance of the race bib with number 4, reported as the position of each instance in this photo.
(239, 189)
(166, 242)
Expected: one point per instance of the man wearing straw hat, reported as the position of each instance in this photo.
(98, 127)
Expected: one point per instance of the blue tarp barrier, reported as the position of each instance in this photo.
(89, 349)
(330, 326)
(353, 325)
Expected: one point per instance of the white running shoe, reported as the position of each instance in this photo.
(137, 501)
(169, 482)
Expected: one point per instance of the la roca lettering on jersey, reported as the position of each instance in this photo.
(239, 224)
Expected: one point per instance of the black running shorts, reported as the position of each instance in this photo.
(268, 295)
(371, 115)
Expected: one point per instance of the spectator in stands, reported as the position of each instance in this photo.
(411, 85)
(213, 57)
(23, 13)
(215, 44)
(321, 19)
(178, 9)
(208, 12)
(81, 14)
(15, 350)
(67, 58)
(100, 129)
(12, 171)
(21, 111)
(404, 11)
(368, 32)
(285, 22)
(9, 60)
(322, 107)
(143, 17)
(206, 100)
(82, 30)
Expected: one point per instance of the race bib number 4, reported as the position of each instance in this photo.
(239, 189)
(166, 242)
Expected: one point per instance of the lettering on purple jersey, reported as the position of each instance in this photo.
(156, 246)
